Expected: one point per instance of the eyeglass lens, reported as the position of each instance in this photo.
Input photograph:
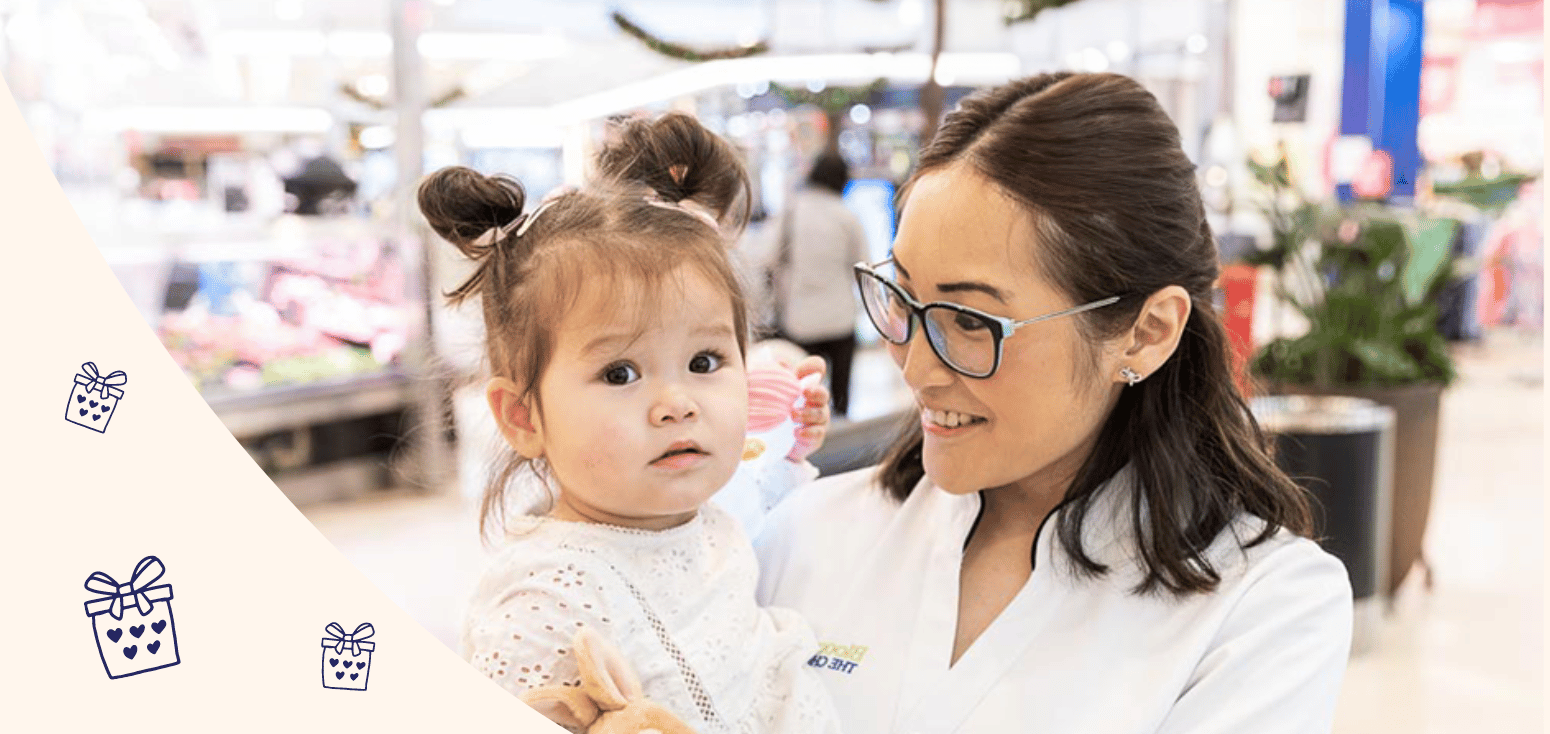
(965, 341)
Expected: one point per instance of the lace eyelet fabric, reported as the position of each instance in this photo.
(679, 604)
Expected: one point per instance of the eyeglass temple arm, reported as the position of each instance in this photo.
(1068, 312)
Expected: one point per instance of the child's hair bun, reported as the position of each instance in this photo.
(678, 159)
(461, 204)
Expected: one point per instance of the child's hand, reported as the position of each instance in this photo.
(813, 414)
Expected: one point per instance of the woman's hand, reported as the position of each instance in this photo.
(812, 416)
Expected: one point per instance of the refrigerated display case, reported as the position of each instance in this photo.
(294, 333)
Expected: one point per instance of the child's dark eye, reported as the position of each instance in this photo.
(704, 362)
(622, 373)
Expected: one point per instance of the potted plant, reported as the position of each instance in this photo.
(1365, 279)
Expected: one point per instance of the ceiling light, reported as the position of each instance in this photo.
(372, 85)
(287, 9)
(1094, 60)
(210, 119)
(376, 137)
(488, 46)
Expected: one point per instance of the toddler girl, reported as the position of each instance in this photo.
(616, 334)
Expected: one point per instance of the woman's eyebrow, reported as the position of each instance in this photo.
(973, 285)
(961, 286)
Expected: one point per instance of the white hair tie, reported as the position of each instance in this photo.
(687, 206)
(521, 224)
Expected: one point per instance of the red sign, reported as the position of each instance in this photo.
(1509, 17)
(1376, 178)
(1439, 84)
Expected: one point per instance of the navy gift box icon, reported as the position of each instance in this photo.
(133, 622)
(94, 398)
(347, 657)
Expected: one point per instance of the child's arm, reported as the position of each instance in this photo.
(521, 627)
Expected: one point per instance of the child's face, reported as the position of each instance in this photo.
(642, 425)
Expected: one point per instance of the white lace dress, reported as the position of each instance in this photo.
(678, 603)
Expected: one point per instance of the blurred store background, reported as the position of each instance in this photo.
(247, 170)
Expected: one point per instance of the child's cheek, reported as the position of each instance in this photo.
(603, 449)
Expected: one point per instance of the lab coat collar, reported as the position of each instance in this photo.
(945, 696)
(1107, 533)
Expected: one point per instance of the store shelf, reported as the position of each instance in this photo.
(279, 408)
(339, 481)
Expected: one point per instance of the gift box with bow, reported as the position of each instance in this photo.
(94, 397)
(133, 622)
(347, 657)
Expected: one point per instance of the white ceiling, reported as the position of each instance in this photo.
(102, 54)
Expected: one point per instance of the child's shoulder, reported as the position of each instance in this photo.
(535, 556)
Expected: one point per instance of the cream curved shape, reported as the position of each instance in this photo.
(252, 583)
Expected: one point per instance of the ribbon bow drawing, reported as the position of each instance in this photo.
(95, 382)
(341, 639)
(138, 593)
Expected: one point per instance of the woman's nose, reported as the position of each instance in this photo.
(674, 405)
(919, 364)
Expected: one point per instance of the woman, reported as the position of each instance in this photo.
(1084, 532)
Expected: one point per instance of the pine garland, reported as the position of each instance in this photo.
(831, 99)
(1018, 11)
(684, 53)
(451, 95)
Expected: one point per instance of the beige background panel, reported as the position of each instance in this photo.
(254, 583)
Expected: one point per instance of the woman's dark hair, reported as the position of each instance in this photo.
(628, 225)
(1096, 163)
(830, 171)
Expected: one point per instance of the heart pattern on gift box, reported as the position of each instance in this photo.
(339, 676)
(353, 676)
(361, 664)
(334, 662)
(117, 633)
(95, 408)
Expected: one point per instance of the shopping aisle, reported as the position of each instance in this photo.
(1463, 657)
(1468, 656)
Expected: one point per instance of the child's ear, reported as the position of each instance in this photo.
(522, 429)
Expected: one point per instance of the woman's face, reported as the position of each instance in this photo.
(1034, 421)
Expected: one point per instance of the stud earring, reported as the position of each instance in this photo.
(1130, 375)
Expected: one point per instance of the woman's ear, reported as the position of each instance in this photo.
(1155, 334)
(519, 424)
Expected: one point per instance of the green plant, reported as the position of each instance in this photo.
(1366, 280)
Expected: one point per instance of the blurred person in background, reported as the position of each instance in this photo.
(817, 240)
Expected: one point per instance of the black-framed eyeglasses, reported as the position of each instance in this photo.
(967, 340)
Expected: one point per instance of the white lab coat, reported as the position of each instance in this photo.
(878, 581)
